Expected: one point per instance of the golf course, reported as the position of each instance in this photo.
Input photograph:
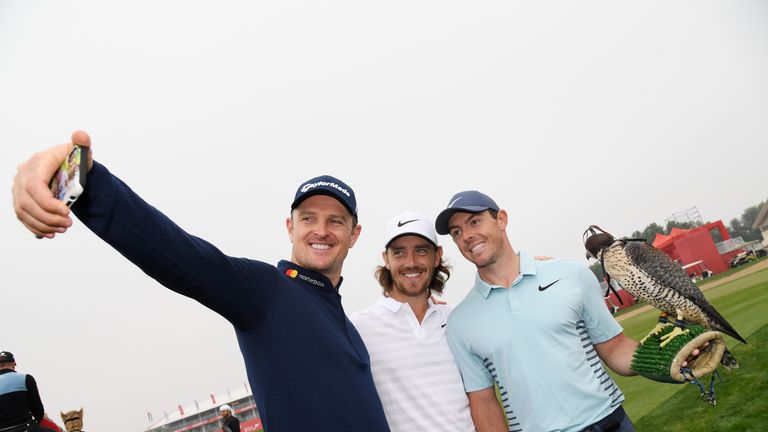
(741, 296)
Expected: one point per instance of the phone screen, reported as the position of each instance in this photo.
(67, 184)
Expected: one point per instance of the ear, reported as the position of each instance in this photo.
(502, 219)
(81, 412)
(63, 417)
(385, 257)
(355, 235)
(438, 255)
(289, 227)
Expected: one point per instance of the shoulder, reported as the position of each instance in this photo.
(567, 268)
(561, 265)
(257, 265)
(466, 309)
(365, 315)
(262, 273)
(13, 375)
(443, 308)
(462, 320)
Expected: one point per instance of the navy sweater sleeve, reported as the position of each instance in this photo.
(233, 287)
(33, 398)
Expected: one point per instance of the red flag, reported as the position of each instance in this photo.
(181, 410)
(213, 399)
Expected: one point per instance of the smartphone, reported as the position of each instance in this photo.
(69, 181)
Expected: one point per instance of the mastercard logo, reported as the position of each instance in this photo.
(291, 273)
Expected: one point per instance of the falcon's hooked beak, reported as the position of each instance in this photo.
(596, 239)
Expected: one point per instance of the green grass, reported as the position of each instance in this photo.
(622, 311)
(729, 272)
(744, 303)
(742, 398)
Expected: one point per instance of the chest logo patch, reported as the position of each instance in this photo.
(542, 288)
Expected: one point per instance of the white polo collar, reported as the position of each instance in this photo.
(394, 306)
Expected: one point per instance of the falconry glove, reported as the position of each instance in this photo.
(665, 364)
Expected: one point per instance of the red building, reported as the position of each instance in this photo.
(688, 246)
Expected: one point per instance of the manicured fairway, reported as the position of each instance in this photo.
(744, 303)
(742, 398)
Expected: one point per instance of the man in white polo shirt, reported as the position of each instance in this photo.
(417, 380)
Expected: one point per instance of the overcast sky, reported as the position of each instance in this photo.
(567, 113)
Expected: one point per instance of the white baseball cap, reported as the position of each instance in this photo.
(225, 408)
(410, 223)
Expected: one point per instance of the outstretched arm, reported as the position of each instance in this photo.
(108, 207)
(618, 351)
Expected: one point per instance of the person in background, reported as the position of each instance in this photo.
(21, 409)
(229, 423)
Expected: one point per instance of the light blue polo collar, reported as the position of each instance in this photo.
(527, 268)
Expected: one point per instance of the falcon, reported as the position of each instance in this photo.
(650, 275)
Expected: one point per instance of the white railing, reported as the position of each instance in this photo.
(729, 245)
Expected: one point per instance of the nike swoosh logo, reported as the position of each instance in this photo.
(443, 325)
(542, 288)
(454, 201)
(399, 223)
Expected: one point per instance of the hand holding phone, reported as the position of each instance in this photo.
(69, 181)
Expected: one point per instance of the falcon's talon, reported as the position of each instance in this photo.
(667, 338)
(661, 325)
(656, 330)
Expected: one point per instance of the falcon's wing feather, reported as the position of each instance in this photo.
(665, 272)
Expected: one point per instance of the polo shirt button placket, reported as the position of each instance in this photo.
(514, 304)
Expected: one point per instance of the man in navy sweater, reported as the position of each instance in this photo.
(317, 374)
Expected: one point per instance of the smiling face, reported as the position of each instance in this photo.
(479, 236)
(411, 260)
(321, 231)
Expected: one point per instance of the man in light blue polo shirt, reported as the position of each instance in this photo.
(537, 329)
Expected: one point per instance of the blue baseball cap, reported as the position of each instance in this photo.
(327, 185)
(470, 201)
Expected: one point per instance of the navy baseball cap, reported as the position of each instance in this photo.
(327, 185)
(470, 201)
(6, 356)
